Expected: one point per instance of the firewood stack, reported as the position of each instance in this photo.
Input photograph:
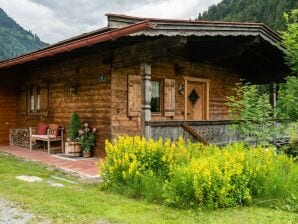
(19, 137)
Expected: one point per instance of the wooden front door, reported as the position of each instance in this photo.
(196, 99)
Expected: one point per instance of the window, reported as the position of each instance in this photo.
(34, 99)
(155, 97)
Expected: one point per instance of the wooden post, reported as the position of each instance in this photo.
(273, 94)
(146, 98)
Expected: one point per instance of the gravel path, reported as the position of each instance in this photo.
(10, 214)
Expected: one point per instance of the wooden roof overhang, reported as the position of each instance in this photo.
(253, 49)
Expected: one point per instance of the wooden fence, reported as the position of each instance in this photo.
(216, 132)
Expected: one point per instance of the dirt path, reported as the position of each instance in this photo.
(10, 213)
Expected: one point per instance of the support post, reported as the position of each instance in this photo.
(273, 104)
(273, 94)
(146, 99)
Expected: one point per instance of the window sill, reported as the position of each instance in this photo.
(156, 114)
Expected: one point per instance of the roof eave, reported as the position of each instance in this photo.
(76, 44)
(169, 27)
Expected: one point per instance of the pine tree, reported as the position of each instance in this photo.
(269, 12)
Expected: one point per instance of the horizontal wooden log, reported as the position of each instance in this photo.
(177, 123)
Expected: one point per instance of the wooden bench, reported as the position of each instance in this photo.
(50, 137)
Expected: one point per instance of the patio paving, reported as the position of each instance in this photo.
(86, 168)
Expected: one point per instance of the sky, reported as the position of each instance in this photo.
(56, 20)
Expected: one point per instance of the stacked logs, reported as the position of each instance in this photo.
(19, 137)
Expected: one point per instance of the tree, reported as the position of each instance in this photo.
(290, 39)
(287, 103)
(252, 113)
(288, 93)
(269, 12)
(252, 108)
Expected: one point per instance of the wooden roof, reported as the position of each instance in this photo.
(122, 26)
(169, 27)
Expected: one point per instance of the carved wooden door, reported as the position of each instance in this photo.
(196, 100)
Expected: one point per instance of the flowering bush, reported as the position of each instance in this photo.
(191, 174)
(132, 157)
(87, 138)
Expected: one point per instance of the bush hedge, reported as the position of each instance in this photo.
(191, 174)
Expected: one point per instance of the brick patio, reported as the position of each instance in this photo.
(84, 167)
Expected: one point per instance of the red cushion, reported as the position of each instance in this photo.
(42, 129)
(56, 127)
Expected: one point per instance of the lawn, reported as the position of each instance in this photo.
(85, 203)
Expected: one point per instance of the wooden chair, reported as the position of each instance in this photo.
(51, 136)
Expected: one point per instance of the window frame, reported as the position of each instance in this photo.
(33, 91)
(161, 83)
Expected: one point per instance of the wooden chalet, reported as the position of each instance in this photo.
(155, 77)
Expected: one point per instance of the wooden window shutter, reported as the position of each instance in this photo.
(169, 98)
(44, 100)
(134, 95)
(23, 101)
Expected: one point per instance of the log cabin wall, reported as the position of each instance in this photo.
(91, 100)
(121, 123)
(222, 82)
(8, 111)
(104, 104)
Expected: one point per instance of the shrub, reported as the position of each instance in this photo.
(191, 174)
(74, 126)
(87, 138)
(292, 147)
(131, 157)
(288, 99)
(253, 114)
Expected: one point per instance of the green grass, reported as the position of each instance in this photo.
(83, 203)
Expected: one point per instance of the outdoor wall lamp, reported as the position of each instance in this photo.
(181, 88)
(101, 78)
(179, 69)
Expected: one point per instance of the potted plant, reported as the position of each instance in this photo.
(87, 140)
(72, 146)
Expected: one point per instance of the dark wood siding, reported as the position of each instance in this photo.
(92, 100)
(8, 110)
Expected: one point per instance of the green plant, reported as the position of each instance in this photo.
(288, 99)
(292, 147)
(188, 174)
(91, 205)
(290, 39)
(74, 127)
(86, 138)
(252, 113)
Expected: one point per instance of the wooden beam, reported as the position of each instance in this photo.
(194, 134)
(146, 99)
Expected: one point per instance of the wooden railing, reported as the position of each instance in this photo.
(215, 132)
